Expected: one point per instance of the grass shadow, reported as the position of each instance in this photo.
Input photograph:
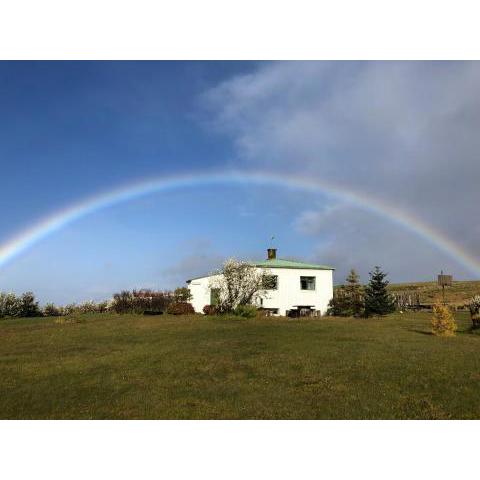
(468, 331)
(423, 332)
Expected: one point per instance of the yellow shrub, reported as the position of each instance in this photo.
(443, 322)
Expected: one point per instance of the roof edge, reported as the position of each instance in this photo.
(265, 265)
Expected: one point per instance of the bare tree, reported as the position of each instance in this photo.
(238, 283)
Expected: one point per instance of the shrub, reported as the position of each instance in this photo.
(182, 294)
(151, 301)
(246, 311)
(263, 313)
(23, 306)
(339, 305)
(180, 308)
(123, 302)
(51, 310)
(103, 307)
(87, 307)
(140, 301)
(474, 307)
(29, 306)
(210, 310)
(348, 299)
(10, 305)
(70, 309)
(443, 323)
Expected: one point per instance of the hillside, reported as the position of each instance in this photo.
(458, 294)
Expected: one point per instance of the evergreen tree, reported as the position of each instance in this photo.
(347, 299)
(338, 305)
(354, 294)
(377, 299)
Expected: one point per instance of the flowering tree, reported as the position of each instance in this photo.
(238, 283)
(10, 305)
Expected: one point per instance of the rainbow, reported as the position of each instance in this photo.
(62, 218)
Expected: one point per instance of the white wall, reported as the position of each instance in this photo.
(287, 295)
(200, 290)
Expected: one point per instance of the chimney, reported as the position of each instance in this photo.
(272, 253)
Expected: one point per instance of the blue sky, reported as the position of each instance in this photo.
(69, 130)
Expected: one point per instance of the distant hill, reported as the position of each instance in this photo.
(458, 294)
(429, 292)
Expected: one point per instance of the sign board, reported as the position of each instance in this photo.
(445, 280)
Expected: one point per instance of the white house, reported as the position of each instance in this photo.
(297, 288)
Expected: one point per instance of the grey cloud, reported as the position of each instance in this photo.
(200, 259)
(353, 238)
(405, 132)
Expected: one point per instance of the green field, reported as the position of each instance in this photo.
(134, 367)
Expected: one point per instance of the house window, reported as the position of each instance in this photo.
(270, 282)
(307, 283)
(214, 296)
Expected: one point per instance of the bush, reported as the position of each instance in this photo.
(103, 307)
(339, 305)
(151, 301)
(10, 305)
(474, 307)
(23, 306)
(70, 309)
(87, 307)
(180, 308)
(246, 311)
(210, 310)
(443, 323)
(29, 306)
(263, 313)
(51, 310)
(123, 302)
(182, 294)
(141, 301)
(348, 300)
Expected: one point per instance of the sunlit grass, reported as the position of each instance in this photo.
(111, 366)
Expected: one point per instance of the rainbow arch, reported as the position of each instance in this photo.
(47, 226)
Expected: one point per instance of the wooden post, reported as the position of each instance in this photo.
(444, 281)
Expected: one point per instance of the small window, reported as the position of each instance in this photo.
(270, 282)
(307, 283)
(214, 296)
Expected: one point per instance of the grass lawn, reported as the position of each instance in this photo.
(114, 367)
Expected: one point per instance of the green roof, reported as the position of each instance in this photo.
(280, 263)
